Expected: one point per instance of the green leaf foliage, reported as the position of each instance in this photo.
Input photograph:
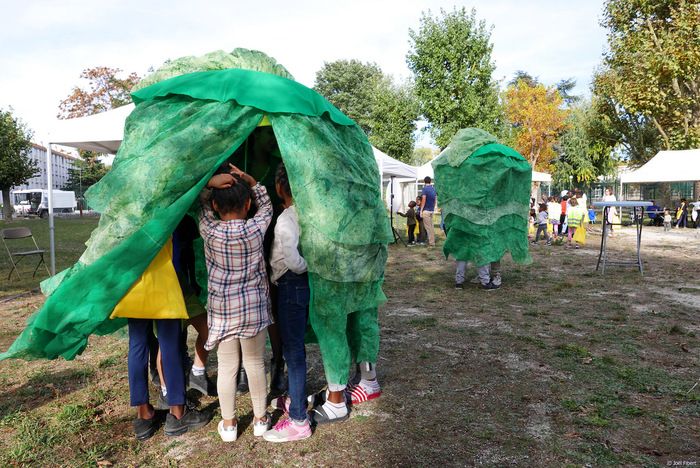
(651, 73)
(386, 112)
(450, 58)
(15, 166)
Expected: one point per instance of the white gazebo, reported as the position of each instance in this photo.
(667, 166)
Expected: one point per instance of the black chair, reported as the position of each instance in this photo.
(11, 234)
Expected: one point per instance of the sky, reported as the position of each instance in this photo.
(44, 45)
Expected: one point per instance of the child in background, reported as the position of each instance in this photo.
(410, 216)
(542, 219)
(576, 216)
(667, 220)
(421, 228)
(554, 212)
(533, 222)
(591, 214)
(238, 306)
(289, 273)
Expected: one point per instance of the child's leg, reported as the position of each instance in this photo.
(411, 233)
(484, 273)
(138, 366)
(200, 354)
(363, 337)
(170, 341)
(459, 273)
(253, 350)
(293, 306)
(229, 357)
(570, 233)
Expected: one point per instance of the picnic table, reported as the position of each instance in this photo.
(637, 217)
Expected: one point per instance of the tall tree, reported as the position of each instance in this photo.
(385, 111)
(537, 115)
(652, 68)
(450, 58)
(15, 166)
(105, 91)
(565, 87)
(350, 85)
(583, 156)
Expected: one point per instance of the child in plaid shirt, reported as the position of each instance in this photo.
(238, 306)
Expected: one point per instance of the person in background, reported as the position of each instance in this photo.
(654, 214)
(427, 207)
(682, 214)
(421, 225)
(562, 217)
(612, 211)
(532, 223)
(667, 220)
(410, 216)
(591, 214)
(576, 218)
(542, 219)
(554, 212)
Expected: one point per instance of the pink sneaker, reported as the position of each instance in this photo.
(287, 430)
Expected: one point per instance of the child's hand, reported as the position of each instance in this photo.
(244, 176)
(221, 181)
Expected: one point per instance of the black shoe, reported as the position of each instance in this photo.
(191, 420)
(489, 286)
(202, 384)
(459, 285)
(145, 428)
(242, 386)
(278, 383)
(162, 403)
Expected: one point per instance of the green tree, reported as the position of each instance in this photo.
(386, 112)
(85, 172)
(422, 156)
(652, 69)
(15, 166)
(450, 58)
(350, 85)
(582, 155)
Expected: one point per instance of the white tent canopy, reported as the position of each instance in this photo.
(667, 166)
(541, 177)
(102, 133)
(426, 170)
(390, 167)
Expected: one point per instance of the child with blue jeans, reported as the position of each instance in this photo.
(290, 275)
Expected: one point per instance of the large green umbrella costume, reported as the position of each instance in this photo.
(190, 117)
(484, 191)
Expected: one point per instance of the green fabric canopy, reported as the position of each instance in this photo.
(181, 130)
(484, 192)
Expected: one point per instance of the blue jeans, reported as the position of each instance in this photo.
(292, 314)
(170, 341)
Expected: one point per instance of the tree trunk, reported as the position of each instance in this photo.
(6, 204)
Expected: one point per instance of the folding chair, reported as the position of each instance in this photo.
(22, 233)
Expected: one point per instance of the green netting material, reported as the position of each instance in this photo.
(171, 147)
(484, 190)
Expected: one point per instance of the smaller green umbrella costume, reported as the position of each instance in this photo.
(484, 192)
(192, 115)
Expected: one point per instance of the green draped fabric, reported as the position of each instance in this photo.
(173, 142)
(484, 191)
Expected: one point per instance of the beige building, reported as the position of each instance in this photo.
(61, 163)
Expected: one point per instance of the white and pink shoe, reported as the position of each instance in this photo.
(287, 430)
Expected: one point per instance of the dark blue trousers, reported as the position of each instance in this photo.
(292, 314)
(170, 341)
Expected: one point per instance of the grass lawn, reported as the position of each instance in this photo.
(70, 237)
(560, 367)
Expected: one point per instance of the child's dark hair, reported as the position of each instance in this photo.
(543, 207)
(532, 212)
(233, 198)
(282, 179)
(411, 204)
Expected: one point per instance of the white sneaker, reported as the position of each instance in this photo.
(228, 434)
(261, 427)
(497, 279)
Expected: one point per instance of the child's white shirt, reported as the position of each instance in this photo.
(285, 254)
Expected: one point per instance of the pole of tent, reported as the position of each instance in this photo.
(49, 180)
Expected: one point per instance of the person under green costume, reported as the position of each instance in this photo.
(485, 191)
(190, 116)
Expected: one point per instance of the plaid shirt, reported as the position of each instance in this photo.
(239, 295)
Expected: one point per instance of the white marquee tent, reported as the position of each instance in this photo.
(667, 166)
